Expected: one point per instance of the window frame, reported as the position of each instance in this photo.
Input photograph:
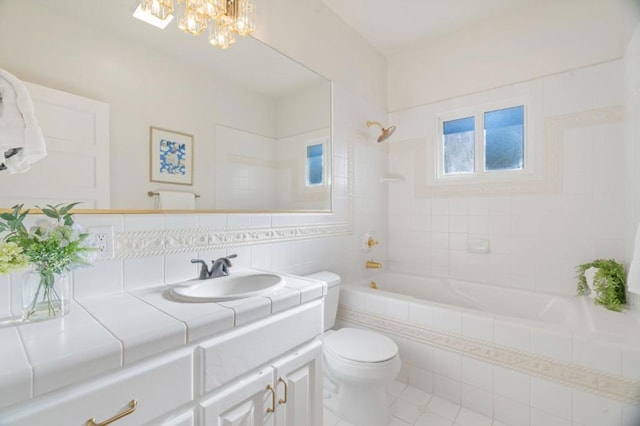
(324, 141)
(480, 174)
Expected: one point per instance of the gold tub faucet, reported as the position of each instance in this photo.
(373, 265)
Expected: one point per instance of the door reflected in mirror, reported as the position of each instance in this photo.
(261, 122)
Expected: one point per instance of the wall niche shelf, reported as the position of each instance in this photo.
(392, 178)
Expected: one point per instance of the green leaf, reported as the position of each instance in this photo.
(66, 209)
(7, 216)
(50, 213)
(608, 283)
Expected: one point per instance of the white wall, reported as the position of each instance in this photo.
(632, 145)
(309, 32)
(306, 110)
(545, 38)
(537, 239)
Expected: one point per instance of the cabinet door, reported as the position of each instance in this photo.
(299, 379)
(183, 419)
(245, 403)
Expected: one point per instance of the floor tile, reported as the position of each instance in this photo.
(395, 388)
(405, 411)
(415, 396)
(442, 407)
(471, 418)
(410, 406)
(397, 422)
(432, 419)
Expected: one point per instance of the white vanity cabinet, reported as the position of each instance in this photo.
(287, 393)
(156, 386)
(267, 372)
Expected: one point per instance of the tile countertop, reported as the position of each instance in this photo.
(103, 333)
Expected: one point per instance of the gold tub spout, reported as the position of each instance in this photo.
(373, 265)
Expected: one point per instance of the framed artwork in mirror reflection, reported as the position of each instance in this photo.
(171, 156)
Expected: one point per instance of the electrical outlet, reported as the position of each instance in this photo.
(102, 239)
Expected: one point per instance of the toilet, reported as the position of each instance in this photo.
(358, 364)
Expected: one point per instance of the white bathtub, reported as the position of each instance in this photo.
(571, 313)
(458, 338)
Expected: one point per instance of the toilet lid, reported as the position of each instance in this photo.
(360, 345)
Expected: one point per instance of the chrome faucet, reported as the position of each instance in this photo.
(219, 267)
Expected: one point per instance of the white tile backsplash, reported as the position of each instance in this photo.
(104, 277)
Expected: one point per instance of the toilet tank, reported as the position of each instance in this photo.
(331, 300)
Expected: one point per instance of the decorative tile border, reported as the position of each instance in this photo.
(571, 375)
(156, 243)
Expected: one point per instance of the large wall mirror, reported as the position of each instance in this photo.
(256, 123)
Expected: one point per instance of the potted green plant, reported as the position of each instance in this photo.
(607, 286)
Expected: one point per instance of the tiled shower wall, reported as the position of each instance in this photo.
(536, 239)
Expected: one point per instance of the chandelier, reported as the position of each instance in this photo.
(224, 18)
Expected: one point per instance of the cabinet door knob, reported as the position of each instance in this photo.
(286, 391)
(273, 399)
(132, 407)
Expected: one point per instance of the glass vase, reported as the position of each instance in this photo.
(45, 295)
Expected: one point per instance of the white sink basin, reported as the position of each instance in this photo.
(235, 286)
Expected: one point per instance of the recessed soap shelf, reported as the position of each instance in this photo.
(392, 178)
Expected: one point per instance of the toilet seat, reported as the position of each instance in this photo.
(360, 346)
(351, 344)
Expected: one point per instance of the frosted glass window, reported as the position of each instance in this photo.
(459, 146)
(315, 164)
(504, 139)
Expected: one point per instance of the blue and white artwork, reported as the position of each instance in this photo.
(173, 158)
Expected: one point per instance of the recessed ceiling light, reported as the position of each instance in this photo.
(150, 19)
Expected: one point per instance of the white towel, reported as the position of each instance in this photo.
(633, 279)
(18, 126)
(170, 200)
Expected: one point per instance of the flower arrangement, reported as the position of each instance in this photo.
(50, 248)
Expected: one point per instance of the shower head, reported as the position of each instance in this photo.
(386, 132)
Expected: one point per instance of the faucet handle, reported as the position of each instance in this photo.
(204, 270)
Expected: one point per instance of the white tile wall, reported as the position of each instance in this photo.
(536, 240)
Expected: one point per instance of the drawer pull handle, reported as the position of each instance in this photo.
(132, 407)
(271, 389)
(286, 391)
